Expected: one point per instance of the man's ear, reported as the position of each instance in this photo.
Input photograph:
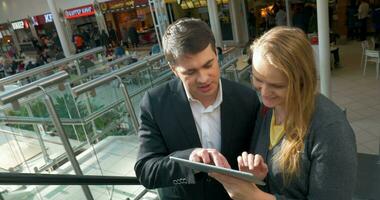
(173, 68)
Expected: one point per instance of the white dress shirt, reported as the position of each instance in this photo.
(207, 120)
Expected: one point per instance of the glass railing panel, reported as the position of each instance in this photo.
(88, 68)
(158, 68)
(13, 192)
(30, 121)
(91, 59)
(71, 192)
(102, 96)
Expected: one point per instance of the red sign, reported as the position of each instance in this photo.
(42, 19)
(82, 11)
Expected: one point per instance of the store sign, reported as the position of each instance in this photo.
(35, 21)
(42, 19)
(48, 18)
(20, 25)
(120, 5)
(79, 12)
(141, 3)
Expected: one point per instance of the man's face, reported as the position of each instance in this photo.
(200, 74)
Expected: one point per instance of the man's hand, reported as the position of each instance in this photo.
(209, 156)
(253, 164)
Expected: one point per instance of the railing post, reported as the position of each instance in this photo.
(40, 140)
(128, 104)
(65, 141)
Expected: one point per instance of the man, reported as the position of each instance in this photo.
(363, 11)
(192, 117)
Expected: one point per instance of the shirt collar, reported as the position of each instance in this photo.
(217, 102)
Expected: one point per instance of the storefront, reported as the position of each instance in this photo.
(121, 15)
(199, 9)
(44, 25)
(81, 18)
(22, 30)
(5, 38)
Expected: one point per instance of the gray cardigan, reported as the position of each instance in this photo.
(328, 162)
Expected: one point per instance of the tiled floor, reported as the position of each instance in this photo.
(359, 95)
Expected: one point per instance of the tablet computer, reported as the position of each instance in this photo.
(202, 167)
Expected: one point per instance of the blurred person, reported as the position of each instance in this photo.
(104, 38)
(363, 11)
(79, 43)
(112, 34)
(280, 16)
(252, 23)
(133, 36)
(124, 34)
(376, 23)
(119, 51)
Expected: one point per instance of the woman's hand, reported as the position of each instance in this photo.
(236, 188)
(253, 164)
(241, 190)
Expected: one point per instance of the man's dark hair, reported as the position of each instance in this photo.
(186, 36)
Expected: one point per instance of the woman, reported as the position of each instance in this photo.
(304, 146)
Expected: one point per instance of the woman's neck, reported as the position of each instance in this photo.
(279, 114)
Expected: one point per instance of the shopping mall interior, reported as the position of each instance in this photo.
(73, 74)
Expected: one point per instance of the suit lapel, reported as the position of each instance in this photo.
(184, 115)
(227, 116)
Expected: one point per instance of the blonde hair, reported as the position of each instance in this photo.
(288, 50)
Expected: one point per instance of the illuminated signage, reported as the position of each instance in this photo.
(20, 25)
(48, 18)
(79, 12)
(42, 19)
(35, 21)
(122, 5)
(141, 3)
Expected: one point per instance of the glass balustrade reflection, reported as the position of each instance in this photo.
(79, 66)
(29, 131)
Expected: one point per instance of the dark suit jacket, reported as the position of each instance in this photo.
(168, 129)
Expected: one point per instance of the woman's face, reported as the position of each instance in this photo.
(270, 82)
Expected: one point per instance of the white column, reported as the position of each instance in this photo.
(239, 22)
(15, 40)
(324, 47)
(32, 28)
(233, 16)
(100, 18)
(288, 19)
(245, 30)
(214, 21)
(60, 28)
(161, 21)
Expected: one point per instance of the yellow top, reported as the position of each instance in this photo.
(276, 132)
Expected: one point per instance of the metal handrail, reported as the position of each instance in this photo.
(229, 63)
(30, 88)
(90, 85)
(63, 179)
(155, 57)
(46, 67)
(118, 60)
